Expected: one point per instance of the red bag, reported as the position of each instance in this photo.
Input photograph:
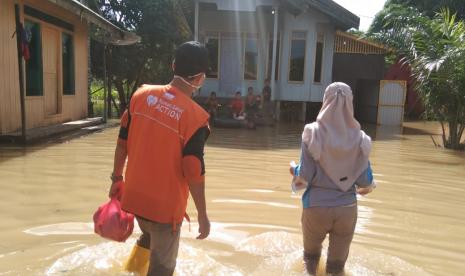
(111, 222)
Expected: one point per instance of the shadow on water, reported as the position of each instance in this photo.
(416, 131)
(285, 136)
(282, 136)
(12, 150)
(380, 133)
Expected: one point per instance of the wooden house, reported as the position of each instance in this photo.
(54, 62)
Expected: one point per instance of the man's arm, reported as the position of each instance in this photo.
(121, 153)
(194, 171)
(197, 190)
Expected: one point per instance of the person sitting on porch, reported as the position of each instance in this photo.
(258, 101)
(334, 163)
(237, 107)
(211, 105)
(267, 85)
(251, 108)
(267, 111)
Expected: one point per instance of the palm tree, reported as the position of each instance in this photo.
(435, 51)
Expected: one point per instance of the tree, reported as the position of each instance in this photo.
(431, 7)
(435, 51)
(161, 25)
(404, 9)
(391, 15)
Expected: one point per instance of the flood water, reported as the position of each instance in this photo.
(413, 224)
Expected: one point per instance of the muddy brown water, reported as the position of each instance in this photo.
(413, 224)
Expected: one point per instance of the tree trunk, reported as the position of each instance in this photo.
(444, 140)
(454, 140)
(109, 97)
(116, 107)
(121, 95)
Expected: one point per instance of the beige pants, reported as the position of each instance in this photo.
(340, 223)
(164, 244)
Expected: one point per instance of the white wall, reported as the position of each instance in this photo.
(317, 90)
(308, 90)
(211, 22)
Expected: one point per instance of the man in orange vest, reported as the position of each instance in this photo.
(163, 134)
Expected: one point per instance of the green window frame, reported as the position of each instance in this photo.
(34, 66)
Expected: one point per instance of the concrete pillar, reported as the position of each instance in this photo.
(275, 42)
(196, 24)
(303, 114)
(278, 111)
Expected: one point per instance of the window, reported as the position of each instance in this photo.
(212, 45)
(34, 74)
(318, 57)
(67, 49)
(297, 57)
(251, 59)
(270, 58)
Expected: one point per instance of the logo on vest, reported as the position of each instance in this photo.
(164, 107)
(152, 100)
(169, 96)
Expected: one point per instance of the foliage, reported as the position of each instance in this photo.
(161, 25)
(394, 14)
(435, 51)
(403, 10)
(431, 7)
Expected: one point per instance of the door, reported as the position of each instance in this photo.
(391, 102)
(366, 100)
(50, 49)
(230, 65)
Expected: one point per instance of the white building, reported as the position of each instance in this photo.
(242, 36)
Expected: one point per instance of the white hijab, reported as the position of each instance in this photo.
(335, 140)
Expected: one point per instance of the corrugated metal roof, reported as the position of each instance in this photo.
(391, 102)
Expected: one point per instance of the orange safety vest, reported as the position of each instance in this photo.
(163, 119)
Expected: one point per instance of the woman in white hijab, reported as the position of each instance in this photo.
(334, 163)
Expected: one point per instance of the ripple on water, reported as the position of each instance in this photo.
(277, 252)
(255, 202)
(107, 259)
(414, 214)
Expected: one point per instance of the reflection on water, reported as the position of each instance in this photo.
(411, 225)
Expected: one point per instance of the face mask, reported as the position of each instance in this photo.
(196, 87)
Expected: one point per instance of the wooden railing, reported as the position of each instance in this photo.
(346, 43)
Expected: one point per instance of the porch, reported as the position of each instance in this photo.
(40, 133)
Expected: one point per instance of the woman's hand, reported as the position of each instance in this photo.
(292, 167)
(291, 171)
(364, 191)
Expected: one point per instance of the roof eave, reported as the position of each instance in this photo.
(343, 18)
(113, 34)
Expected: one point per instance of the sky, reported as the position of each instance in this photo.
(365, 9)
